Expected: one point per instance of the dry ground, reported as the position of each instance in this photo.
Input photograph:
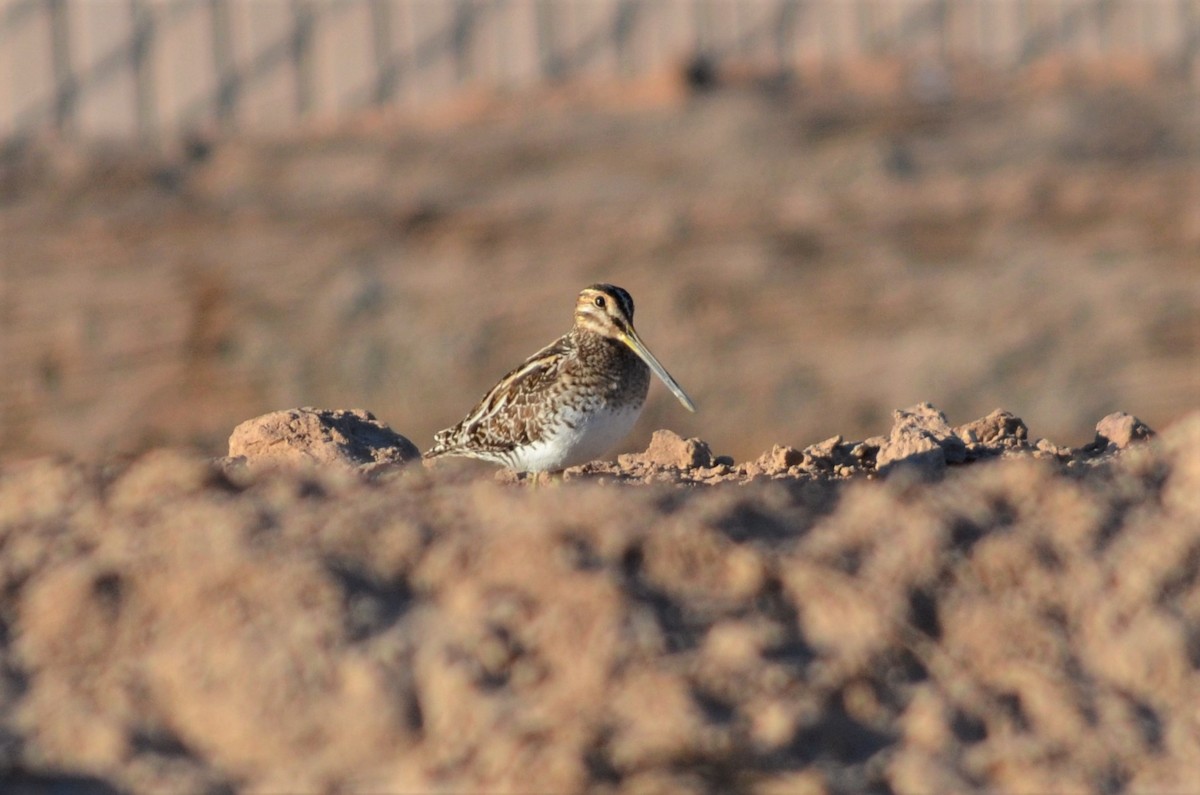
(1020, 624)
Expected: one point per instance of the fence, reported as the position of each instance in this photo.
(151, 68)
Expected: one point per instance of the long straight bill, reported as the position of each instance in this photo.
(631, 339)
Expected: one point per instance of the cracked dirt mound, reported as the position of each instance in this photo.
(1016, 624)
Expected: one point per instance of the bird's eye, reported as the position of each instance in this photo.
(600, 301)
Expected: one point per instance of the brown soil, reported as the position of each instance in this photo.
(1021, 618)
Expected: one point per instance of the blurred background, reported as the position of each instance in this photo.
(825, 210)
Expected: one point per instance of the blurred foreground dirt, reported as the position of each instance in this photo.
(803, 259)
(1016, 625)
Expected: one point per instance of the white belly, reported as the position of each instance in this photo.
(577, 437)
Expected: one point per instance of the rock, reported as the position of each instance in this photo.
(782, 457)
(774, 462)
(999, 429)
(1122, 430)
(1048, 447)
(866, 450)
(823, 456)
(993, 435)
(922, 438)
(325, 437)
(669, 449)
(824, 448)
(912, 448)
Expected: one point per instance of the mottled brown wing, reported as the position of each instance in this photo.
(508, 416)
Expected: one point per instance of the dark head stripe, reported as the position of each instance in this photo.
(623, 298)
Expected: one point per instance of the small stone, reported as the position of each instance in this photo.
(1122, 430)
(921, 438)
(916, 450)
(822, 455)
(999, 429)
(782, 457)
(825, 448)
(669, 449)
(1047, 446)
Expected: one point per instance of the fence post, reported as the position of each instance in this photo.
(1189, 52)
(61, 83)
(549, 60)
(66, 84)
(141, 42)
(304, 19)
(702, 39)
(386, 69)
(228, 82)
(461, 31)
(785, 31)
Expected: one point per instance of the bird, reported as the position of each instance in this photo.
(569, 403)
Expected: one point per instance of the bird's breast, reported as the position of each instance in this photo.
(576, 435)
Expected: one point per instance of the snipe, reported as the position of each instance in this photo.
(570, 402)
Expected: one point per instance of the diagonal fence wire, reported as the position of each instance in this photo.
(236, 71)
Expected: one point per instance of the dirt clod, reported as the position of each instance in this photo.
(668, 449)
(346, 438)
(1121, 429)
(920, 439)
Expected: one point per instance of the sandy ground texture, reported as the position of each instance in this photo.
(804, 255)
(941, 608)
